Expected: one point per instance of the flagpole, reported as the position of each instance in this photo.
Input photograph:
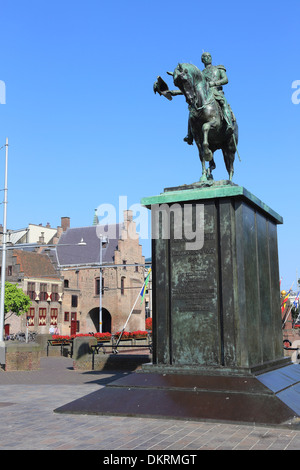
(119, 339)
(286, 317)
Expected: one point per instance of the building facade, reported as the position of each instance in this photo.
(63, 280)
(35, 274)
(78, 256)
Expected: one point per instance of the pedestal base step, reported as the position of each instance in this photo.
(271, 399)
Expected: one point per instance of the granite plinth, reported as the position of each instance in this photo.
(217, 339)
(215, 305)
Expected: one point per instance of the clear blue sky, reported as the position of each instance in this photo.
(85, 127)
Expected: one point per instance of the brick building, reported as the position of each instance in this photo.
(63, 282)
(78, 260)
(35, 274)
(39, 234)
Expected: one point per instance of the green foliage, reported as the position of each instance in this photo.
(15, 301)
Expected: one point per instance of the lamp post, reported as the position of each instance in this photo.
(4, 244)
(102, 240)
(100, 287)
(2, 293)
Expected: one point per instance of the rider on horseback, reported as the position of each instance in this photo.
(216, 77)
(212, 124)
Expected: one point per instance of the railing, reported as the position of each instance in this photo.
(61, 343)
(115, 344)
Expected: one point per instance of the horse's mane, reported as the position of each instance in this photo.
(191, 68)
(196, 75)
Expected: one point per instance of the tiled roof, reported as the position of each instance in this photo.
(70, 253)
(35, 264)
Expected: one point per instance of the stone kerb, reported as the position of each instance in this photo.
(82, 346)
(42, 341)
(84, 359)
(111, 362)
(26, 356)
(22, 356)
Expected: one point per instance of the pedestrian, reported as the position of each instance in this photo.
(56, 331)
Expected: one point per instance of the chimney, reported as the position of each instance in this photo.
(129, 225)
(65, 223)
(41, 238)
(128, 216)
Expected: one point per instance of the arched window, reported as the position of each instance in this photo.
(97, 286)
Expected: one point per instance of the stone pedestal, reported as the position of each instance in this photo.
(217, 338)
(216, 300)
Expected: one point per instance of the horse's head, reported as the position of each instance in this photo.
(186, 77)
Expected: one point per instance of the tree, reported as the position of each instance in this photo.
(15, 301)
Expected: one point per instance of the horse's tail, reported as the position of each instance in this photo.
(235, 143)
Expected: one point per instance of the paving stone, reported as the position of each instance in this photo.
(28, 421)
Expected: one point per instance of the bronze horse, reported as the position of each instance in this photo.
(206, 121)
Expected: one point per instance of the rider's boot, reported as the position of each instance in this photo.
(189, 137)
(228, 119)
(229, 130)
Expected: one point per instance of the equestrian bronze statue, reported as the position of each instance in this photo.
(212, 124)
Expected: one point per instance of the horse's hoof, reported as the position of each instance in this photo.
(203, 178)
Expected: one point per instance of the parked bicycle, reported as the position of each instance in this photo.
(32, 336)
(20, 336)
(10, 337)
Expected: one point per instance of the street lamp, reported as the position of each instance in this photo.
(102, 241)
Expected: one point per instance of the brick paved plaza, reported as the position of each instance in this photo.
(28, 421)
